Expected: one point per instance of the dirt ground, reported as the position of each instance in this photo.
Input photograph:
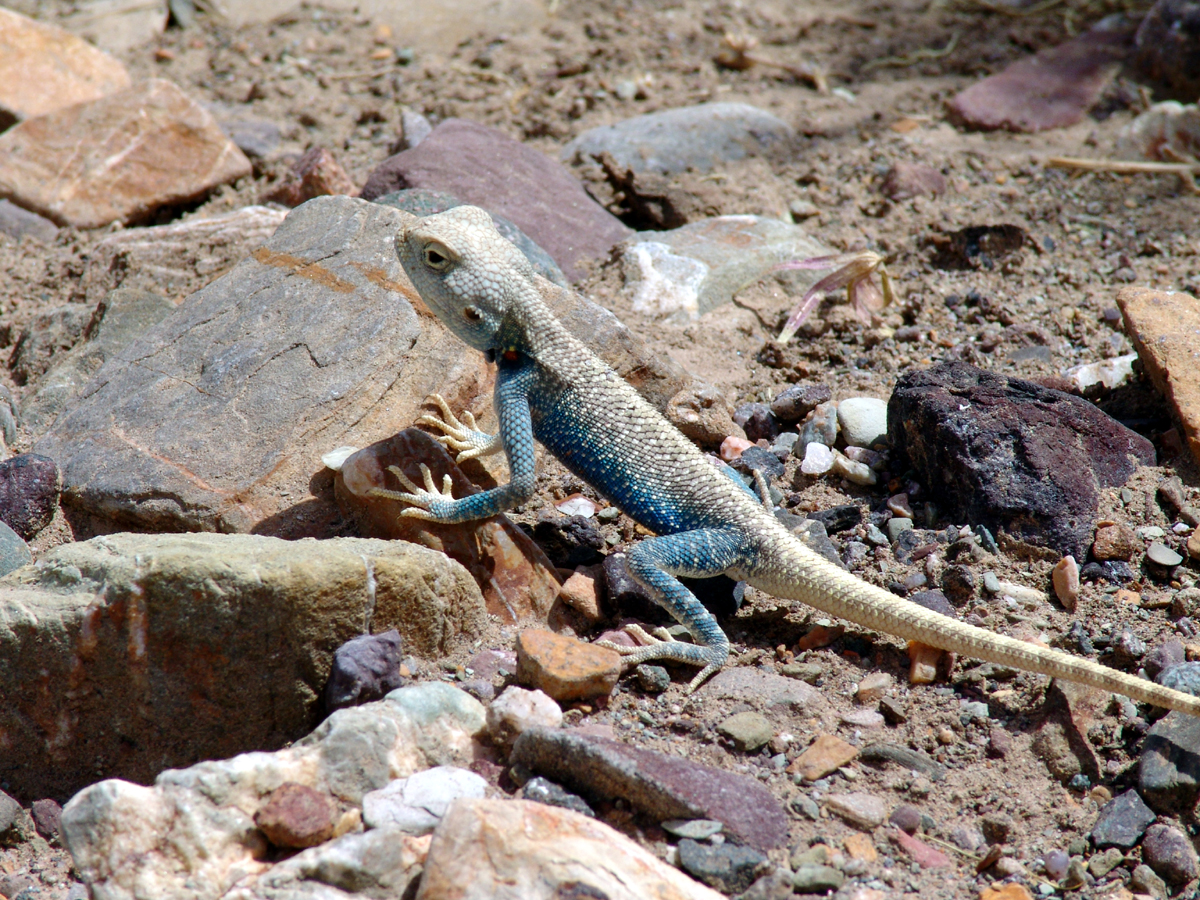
(1046, 307)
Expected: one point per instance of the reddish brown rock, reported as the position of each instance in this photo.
(29, 487)
(1115, 541)
(1165, 329)
(517, 580)
(119, 158)
(1065, 577)
(316, 174)
(922, 854)
(658, 784)
(564, 667)
(824, 755)
(296, 816)
(47, 817)
(44, 68)
(1052, 89)
(905, 180)
(485, 167)
(1010, 454)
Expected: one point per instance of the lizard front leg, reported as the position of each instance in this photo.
(655, 562)
(515, 436)
(463, 437)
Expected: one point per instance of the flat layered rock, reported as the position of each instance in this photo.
(689, 137)
(177, 259)
(107, 646)
(1165, 329)
(1051, 89)
(485, 167)
(217, 418)
(44, 68)
(118, 158)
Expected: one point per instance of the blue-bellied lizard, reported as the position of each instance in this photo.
(552, 388)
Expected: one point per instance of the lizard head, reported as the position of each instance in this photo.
(465, 270)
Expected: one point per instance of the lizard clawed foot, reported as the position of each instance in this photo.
(420, 498)
(462, 436)
(662, 645)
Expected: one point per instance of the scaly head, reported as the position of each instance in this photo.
(466, 271)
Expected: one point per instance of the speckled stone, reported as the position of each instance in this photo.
(748, 730)
(1122, 821)
(1169, 852)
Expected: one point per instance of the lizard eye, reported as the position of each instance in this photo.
(471, 314)
(437, 257)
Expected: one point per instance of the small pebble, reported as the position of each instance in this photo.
(653, 679)
(1056, 864)
(863, 421)
(899, 505)
(1065, 577)
(895, 526)
(906, 818)
(1163, 555)
(856, 472)
(818, 459)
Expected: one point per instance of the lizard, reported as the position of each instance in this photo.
(550, 387)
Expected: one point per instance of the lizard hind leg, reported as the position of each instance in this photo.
(655, 562)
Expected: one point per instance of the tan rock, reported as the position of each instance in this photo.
(1165, 329)
(316, 174)
(1065, 577)
(1115, 541)
(824, 755)
(44, 68)
(579, 593)
(923, 662)
(566, 668)
(873, 687)
(860, 846)
(518, 582)
(1193, 544)
(521, 850)
(858, 808)
(118, 158)
(701, 413)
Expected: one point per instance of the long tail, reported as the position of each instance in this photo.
(790, 570)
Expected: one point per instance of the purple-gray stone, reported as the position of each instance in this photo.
(485, 167)
(364, 669)
(666, 787)
(1122, 821)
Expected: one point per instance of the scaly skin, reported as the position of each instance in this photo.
(549, 386)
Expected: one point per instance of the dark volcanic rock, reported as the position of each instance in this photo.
(667, 787)
(568, 541)
(1169, 767)
(1122, 821)
(364, 669)
(29, 486)
(485, 167)
(1169, 853)
(1011, 454)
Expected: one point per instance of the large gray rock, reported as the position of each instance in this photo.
(122, 316)
(126, 654)
(216, 419)
(690, 137)
(192, 834)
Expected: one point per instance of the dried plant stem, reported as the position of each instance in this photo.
(1185, 170)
